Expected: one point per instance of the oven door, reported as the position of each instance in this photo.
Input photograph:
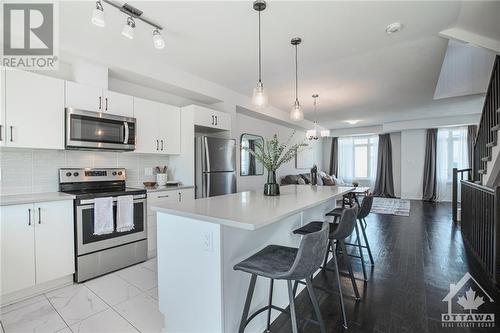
(94, 130)
(87, 242)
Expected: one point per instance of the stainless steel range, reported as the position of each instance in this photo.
(101, 254)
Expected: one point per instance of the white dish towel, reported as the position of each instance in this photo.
(103, 216)
(124, 213)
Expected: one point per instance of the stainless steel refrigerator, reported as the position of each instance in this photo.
(215, 166)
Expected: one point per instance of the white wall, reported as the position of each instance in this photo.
(396, 162)
(412, 163)
(250, 125)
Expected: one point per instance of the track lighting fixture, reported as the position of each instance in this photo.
(98, 15)
(133, 14)
(128, 28)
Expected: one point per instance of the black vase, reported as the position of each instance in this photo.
(271, 188)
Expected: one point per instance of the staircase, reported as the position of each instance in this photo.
(486, 168)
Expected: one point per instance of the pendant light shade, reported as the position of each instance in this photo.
(259, 96)
(296, 113)
(98, 15)
(315, 134)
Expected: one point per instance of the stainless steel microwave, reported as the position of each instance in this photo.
(99, 131)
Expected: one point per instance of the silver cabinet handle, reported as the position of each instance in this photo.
(1, 136)
(106, 104)
(11, 135)
(39, 215)
(213, 120)
(163, 196)
(29, 216)
(161, 145)
(216, 120)
(157, 145)
(100, 102)
(180, 196)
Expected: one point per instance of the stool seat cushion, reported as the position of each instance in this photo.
(313, 227)
(273, 261)
(335, 212)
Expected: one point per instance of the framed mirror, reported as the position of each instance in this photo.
(249, 166)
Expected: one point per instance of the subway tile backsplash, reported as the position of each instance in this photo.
(36, 170)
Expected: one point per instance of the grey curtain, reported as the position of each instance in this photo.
(334, 157)
(430, 177)
(471, 137)
(384, 183)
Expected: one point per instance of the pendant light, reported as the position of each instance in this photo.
(296, 113)
(313, 134)
(259, 97)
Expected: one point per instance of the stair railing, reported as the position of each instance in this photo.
(458, 175)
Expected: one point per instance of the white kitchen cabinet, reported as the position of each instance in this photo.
(2, 108)
(89, 98)
(37, 244)
(210, 118)
(154, 198)
(158, 127)
(118, 104)
(83, 97)
(54, 244)
(30, 100)
(17, 248)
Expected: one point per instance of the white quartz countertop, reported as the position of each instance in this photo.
(252, 210)
(19, 199)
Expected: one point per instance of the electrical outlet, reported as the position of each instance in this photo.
(208, 242)
(148, 171)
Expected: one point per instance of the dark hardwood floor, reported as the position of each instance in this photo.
(416, 260)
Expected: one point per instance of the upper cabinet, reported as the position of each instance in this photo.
(83, 97)
(210, 118)
(29, 100)
(158, 127)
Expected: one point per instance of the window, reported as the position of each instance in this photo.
(358, 159)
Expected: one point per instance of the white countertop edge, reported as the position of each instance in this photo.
(242, 225)
(165, 188)
(19, 199)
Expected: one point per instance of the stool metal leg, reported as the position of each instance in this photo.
(315, 304)
(327, 253)
(360, 251)
(270, 303)
(248, 301)
(366, 242)
(349, 268)
(293, 315)
(340, 289)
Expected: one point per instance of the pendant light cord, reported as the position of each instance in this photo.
(296, 74)
(260, 54)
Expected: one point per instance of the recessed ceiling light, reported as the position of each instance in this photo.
(352, 121)
(393, 28)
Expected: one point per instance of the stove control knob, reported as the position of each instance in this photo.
(68, 174)
(119, 173)
(114, 173)
(76, 174)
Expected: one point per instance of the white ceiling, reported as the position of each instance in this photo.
(346, 57)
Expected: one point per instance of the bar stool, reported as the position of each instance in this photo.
(286, 263)
(364, 211)
(337, 234)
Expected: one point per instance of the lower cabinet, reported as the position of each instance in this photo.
(154, 198)
(36, 244)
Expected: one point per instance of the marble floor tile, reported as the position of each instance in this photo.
(14, 306)
(75, 303)
(36, 317)
(112, 289)
(139, 276)
(107, 321)
(142, 312)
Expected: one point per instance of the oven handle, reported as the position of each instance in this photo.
(137, 198)
(125, 125)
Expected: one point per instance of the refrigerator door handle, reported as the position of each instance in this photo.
(206, 185)
(206, 155)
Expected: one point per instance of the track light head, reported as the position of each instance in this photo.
(128, 29)
(158, 40)
(98, 15)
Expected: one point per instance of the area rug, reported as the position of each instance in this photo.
(399, 207)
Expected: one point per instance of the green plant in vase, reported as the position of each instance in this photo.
(273, 154)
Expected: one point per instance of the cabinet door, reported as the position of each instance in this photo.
(17, 250)
(54, 240)
(118, 104)
(146, 112)
(169, 123)
(222, 121)
(83, 97)
(186, 194)
(34, 110)
(210, 118)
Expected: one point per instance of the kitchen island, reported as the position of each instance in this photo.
(201, 240)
